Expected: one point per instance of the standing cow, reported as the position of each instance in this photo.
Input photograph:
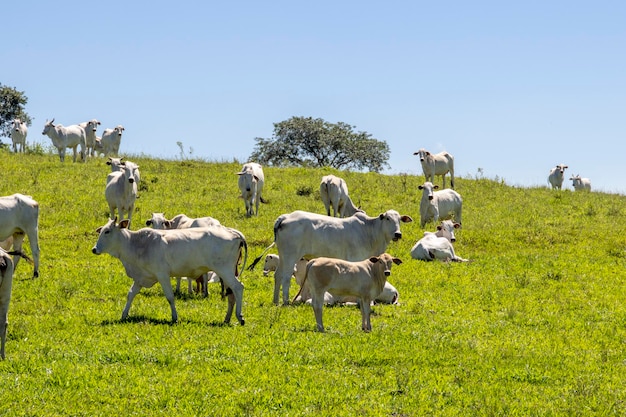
(110, 141)
(581, 184)
(334, 192)
(19, 131)
(64, 137)
(121, 192)
(301, 234)
(150, 256)
(555, 178)
(437, 164)
(251, 181)
(19, 217)
(436, 205)
(90, 128)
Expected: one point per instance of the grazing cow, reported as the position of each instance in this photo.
(363, 280)
(6, 282)
(19, 217)
(555, 179)
(121, 192)
(66, 137)
(181, 221)
(437, 245)
(334, 192)
(90, 128)
(251, 181)
(436, 205)
(150, 256)
(437, 164)
(309, 235)
(110, 141)
(19, 130)
(581, 184)
(389, 295)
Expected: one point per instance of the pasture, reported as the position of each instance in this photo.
(534, 325)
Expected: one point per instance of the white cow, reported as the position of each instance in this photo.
(437, 164)
(121, 192)
(437, 245)
(181, 221)
(110, 141)
(19, 217)
(363, 280)
(581, 184)
(117, 163)
(436, 205)
(389, 295)
(90, 128)
(64, 137)
(310, 235)
(150, 256)
(19, 130)
(6, 282)
(555, 179)
(334, 192)
(251, 181)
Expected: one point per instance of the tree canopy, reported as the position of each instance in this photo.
(304, 141)
(12, 104)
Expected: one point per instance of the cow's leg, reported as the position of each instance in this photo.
(282, 276)
(178, 284)
(189, 285)
(318, 303)
(5, 288)
(366, 310)
(3, 336)
(33, 241)
(235, 297)
(74, 150)
(62, 155)
(134, 290)
(166, 284)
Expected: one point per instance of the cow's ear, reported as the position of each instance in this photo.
(239, 173)
(456, 225)
(374, 259)
(420, 187)
(167, 224)
(124, 224)
(98, 230)
(406, 219)
(381, 216)
(436, 187)
(439, 227)
(397, 261)
(148, 223)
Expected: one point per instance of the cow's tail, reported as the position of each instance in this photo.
(306, 275)
(257, 259)
(21, 254)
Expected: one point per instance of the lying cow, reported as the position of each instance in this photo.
(334, 192)
(437, 164)
(437, 245)
(19, 217)
(310, 235)
(363, 280)
(6, 283)
(581, 184)
(555, 177)
(182, 221)
(436, 205)
(150, 256)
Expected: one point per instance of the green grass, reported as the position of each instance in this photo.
(534, 325)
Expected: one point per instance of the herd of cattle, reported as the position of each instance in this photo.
(317, 249)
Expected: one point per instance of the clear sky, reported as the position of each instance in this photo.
(513, 88)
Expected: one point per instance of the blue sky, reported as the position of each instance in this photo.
(513, 88)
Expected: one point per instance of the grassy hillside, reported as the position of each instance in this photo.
(535, 325)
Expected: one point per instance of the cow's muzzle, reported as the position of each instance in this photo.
(387, 273)
(95, 251)
(430, 197)
(397, 236)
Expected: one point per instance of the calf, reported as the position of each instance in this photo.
(437, 164)
(334, 192)
(436, 205)
(150, 256)
(363, 280)
(19, 217)
(437, 245)
(555, 178)
(581, 184)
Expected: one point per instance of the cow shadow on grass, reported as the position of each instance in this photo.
(141, 319)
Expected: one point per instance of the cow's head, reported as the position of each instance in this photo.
(118, 130)
(391, 224)
(48, 126)
(158, 221)
(93, 124)
(428, 190)
(107, 236)
(446, 229)
(561, 168)
(385, 261)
